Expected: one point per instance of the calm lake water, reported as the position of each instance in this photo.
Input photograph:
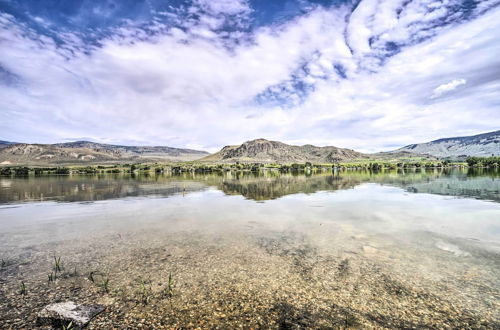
(343, 249)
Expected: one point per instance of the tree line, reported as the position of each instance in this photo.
(493, 161)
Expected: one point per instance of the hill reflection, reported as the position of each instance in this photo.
(259, 187)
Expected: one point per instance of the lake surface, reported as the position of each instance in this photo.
(342, 249)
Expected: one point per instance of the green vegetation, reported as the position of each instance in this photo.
(57, 264)
(105, 284)
(21, 171)
(198, 167)
(145, 291)
(69, 326)
(169, 290)
(62, 170)
(22, 289)
(56, 268)
(483, 161)
(5, 171)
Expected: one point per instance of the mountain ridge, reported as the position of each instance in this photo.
(257, 150)
(262, 150)
(460, 147)
(86, 152)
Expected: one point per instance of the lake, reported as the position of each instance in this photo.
(348, 249)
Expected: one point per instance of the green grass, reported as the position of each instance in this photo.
(146, 292)
(68, 326)
(169, 290)
(105, 285)
(22, 288)
(57, 264)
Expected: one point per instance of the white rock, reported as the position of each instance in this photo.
(63, 313)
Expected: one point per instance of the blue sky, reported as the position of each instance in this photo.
(369, 75)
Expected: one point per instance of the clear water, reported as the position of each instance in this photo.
(338, 249)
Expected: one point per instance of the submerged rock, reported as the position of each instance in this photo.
(64, 313)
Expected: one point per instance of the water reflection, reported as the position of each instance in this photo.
(472, 183)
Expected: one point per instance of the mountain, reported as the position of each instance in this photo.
(84, 152)
(142, 151)
(5, 143)
(486, 144)
(262, 150)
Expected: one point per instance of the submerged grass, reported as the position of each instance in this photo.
(145, 290)
(344, 267)
(91, 276)
(105, 285)
(22, 289)
(68, 326)
(168, 291)
(57, 264)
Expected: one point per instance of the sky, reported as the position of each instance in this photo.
(369, 75)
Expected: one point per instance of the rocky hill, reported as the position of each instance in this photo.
(487, 144)
(264, 151)
(260, 150)
(84, 152)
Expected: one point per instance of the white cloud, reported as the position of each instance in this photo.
(190, 86)
(444, 88)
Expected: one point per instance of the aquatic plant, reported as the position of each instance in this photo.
(145, 291)
(91, 277)
(105, 285)
(22, 288)
(343, 267)
(68, 326)
(4, 263)
(57, 264)
(52, 277)
(169, 291)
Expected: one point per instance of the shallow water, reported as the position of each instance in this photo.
(343, 249)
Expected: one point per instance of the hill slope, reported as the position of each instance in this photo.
(486, 144)
(84, 152)
(262, 150)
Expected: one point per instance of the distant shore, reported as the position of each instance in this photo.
(197, 167)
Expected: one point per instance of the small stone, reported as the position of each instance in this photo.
(64, 313)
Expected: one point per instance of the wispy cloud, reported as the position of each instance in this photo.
(202, 74)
